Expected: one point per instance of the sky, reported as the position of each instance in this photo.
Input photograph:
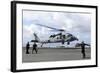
(78, 24)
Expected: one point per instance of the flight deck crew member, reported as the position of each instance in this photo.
(83, 49)
(34, 48)
(27, 48)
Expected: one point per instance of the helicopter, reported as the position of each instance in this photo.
(60, 37)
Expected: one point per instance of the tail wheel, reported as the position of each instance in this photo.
(41, 44)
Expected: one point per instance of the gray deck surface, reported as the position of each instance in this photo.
(54, 54)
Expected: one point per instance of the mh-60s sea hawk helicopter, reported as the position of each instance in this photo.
(60, 37)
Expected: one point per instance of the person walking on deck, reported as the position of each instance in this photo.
(34, 48)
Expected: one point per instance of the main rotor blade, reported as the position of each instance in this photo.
(51, 27)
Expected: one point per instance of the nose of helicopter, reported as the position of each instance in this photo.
(76, 38)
